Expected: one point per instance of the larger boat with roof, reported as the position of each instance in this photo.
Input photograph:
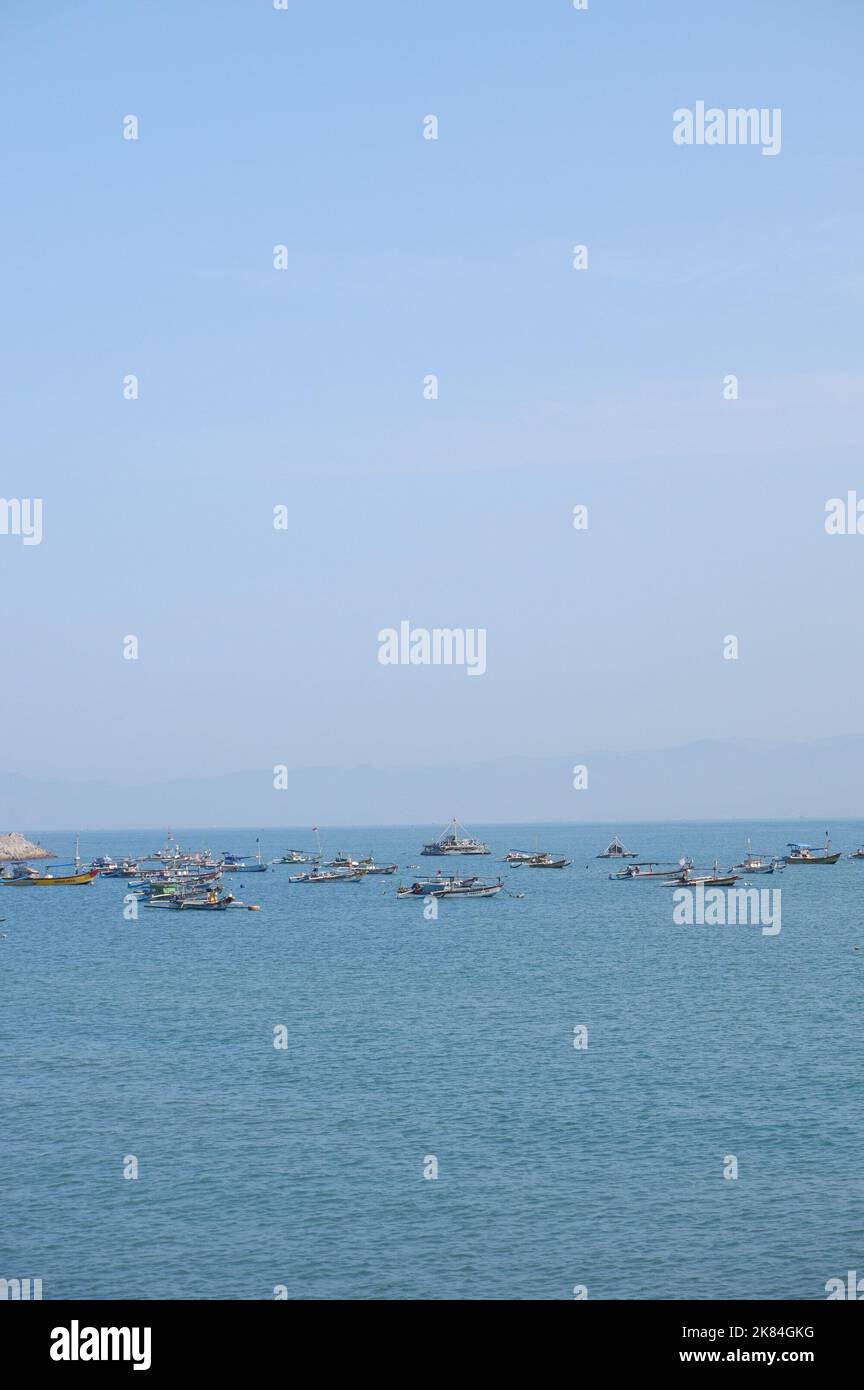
(455, 840)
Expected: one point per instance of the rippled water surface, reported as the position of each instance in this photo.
(410, 1038)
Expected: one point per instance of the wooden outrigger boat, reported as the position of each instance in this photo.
(615, 850)
(805, 854)
(461, 889)
(368, 866)
(537, 859)
(240, 864)
(34, 880)
(650, 868)
(686, 879)
(20, 875)
(476, 890)
(328, 876)
(423, 887)
(758, 863)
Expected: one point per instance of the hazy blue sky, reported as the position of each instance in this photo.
(304, 387)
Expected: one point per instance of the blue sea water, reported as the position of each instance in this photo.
(410, 1038)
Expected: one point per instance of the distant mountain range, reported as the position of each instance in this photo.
(712, 780)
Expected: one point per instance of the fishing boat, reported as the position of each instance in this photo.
(519, 856)
(242, 864)
(615, 850)
(161, 894)
(651, 868)
(328, 876)
(127, 869)
(422, 887)
(19, 875)
(546, 861)
(296, 856)
(857, 853)
(758, 863)
(454, 839)
(342, 861)
(687, 879)
(368, 866)
(805, 854)
(103, 863)
(165, 879)
(212, 902)
(26, 877)
(50, 880)
(467, 890)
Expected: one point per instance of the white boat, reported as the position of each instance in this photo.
(328, 876)
(422, 887)
(296, 856)
(687, 879)
(546, 861)
(651, 868)
(479, 890)
(368, 866)
(758, 863)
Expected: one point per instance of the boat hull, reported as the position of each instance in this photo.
(814, 859)
(61, 880)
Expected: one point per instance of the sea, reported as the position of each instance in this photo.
(559, 1092)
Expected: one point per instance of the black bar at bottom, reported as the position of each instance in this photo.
(164, 1338)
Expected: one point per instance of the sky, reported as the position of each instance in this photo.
(304, 387)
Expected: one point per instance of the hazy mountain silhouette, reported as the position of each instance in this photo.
(710, 780)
